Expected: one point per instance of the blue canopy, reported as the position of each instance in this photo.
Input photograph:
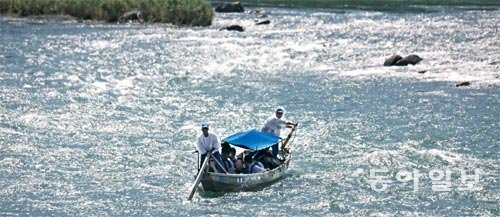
(252, 139)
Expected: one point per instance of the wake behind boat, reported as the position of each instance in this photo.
(253, 141)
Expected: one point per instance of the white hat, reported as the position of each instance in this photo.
(280, 110)
(204, 125)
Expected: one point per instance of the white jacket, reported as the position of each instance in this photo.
(205, 144)
(273, 125)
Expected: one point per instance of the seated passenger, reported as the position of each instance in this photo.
(232, 155)
(228, 164)
(225, 145)
(239, 166)
(211, 166)
(253, 166)
(257, 167)
(267, 161)
(243, 154)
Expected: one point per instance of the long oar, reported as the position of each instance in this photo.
(285, 143)
(200, 174)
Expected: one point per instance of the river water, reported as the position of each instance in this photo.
(101, 119)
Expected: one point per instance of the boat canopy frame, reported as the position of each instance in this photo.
(252, 139)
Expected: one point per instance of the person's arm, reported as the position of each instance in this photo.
(280, 123)
(259, 168)
(265, 127)
(212, 165)
(215, 143)
(199, 146)
(289, 124)
(262, 168)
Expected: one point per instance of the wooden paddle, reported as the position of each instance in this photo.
(287, 139)
(200, 174)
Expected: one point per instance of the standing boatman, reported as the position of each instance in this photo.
(274, 124)
(209, 142)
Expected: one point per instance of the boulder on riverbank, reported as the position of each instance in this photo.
(233, 28)
(134, 15)
(234, 7)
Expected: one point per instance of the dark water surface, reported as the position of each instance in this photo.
(102, 119)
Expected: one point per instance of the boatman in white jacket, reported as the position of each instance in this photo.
(274, 124)
(209, 142)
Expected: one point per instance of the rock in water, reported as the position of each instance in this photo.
(396, 60)
(411, 59)
(265, 22)
(234, 7)
(391, 61)
(233, 28)
(465, 83)
(258, 11)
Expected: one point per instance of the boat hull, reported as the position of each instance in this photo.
(219, 182)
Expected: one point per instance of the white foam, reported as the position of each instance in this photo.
(145, 185)
(380, 153)
(9, 131)
(123, 86)
(435, 93)
(39, 74)
(34, 120)
(188, 126)
(73, 79)
(102, 44)
(98, 87)
(383, 157)
(441, 154)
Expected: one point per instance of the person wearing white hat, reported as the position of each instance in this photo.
(274, 124)
(209, 142)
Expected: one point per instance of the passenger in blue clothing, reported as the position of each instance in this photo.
(253, 166)
(226, 158)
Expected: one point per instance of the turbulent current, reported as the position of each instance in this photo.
(101, 119)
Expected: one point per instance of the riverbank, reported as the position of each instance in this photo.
(178, 12)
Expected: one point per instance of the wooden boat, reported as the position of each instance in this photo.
(224, 182)
(220, 182)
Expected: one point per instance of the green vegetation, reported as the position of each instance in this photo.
(178, 12)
